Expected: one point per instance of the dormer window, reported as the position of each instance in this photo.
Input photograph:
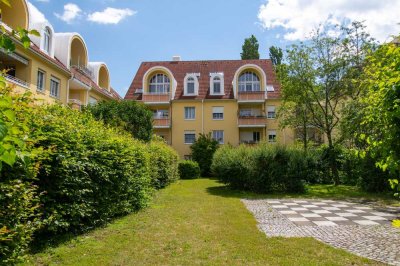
(217, 84)
(159, 84)
(249, 81)
(191, 85)
(46, 40)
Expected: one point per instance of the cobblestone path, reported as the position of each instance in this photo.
(357, 228)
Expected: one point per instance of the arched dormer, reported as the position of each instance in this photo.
(71, 49)
(250, 70)
(16, 16)
(152, 72)
(101, 74)
(191, 85)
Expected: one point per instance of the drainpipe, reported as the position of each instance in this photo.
(202, 116)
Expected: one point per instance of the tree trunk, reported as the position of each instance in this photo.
(332, 160)
(305, 136)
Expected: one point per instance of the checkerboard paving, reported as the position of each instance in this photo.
(329, 213)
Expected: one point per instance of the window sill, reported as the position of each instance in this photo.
(218, 119)
(217, 94)
(190, 119)
(189, 143)
(55, 97)
(43, 92)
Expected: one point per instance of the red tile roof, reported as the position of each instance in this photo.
(49, 58)
(180, 68)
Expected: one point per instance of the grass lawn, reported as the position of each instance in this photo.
(192, 222)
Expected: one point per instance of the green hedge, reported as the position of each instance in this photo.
(189, 169)
(264, 168)
(80, 175)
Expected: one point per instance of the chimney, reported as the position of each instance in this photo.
(176, 58)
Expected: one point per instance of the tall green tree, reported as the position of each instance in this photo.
(132, 116)
(276, 55)
(319, 79)
(250, 48)
(381, 107)
(203, 150)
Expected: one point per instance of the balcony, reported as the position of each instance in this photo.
(75, 104)
(84, 70)
(17, 81)
(163, 122)
(252, 121)
(251, 96)
(156, 98)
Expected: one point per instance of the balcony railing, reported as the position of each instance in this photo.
(252, 121)
(161, 122)
(156, 97)
(75, 104)
(84, 70)
(251, 96)
(17, 81)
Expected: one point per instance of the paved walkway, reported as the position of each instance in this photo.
(358, 228)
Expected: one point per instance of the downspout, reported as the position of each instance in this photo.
(202, 116)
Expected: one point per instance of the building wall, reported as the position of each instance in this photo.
(29, 74)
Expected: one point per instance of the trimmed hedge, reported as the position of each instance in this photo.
(189, 169)
(264, 168)
(82, 174)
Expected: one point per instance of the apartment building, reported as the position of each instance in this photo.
(56, 67)
(234, 100)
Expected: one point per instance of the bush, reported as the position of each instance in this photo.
(164, 164)
(132, 116)
(203, 150)
(189, 169)
(264, 168)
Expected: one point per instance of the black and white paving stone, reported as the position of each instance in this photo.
(358, 228)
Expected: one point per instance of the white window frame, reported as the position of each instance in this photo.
(189, 117)
(218, 135)
(58, 82)
(249, 80)
(47, 40)
(165, 83)
(194, 76)
(271, 112)
(272, 133)
(255, 134)
(220, 75)
(92, 101)
(43, 82)
(218, 110)
(189, 133)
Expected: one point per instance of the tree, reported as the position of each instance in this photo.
(250, 48)
(276, 55)
(203, 150)
(319, 79)
(132, 116)
(381, 108)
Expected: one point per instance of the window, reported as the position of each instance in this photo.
(160, 114)
(190, 137)
(218, 135)
(55, 87)
(92, 100)
(272, 136)
(216, 83)
(159, 83)
(46, 40)
(271, 112)
(256, 136)
(190, 113)
(191, 84)
(40, 84)
(249, 81)
(218, 113)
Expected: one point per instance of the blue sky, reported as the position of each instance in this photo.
(153, 30)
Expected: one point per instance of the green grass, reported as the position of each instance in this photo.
(192, 222)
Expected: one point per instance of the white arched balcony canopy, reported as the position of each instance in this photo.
(156, 70)
(252, 68)
(71, 49)
(101, 74)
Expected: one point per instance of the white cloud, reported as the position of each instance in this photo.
(110, 15)
(43, 1)
(71, 12)
(299, 17)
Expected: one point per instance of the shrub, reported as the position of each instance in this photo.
(189, 169)
(164, 164)
(264, 168)
(203, 150)
(132, 116)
